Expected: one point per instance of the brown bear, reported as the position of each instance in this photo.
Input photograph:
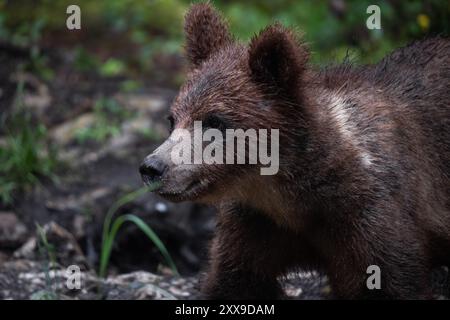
(364, 163)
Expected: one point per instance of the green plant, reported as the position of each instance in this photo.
(27, 34)
(112, 67)
(25, 155)
(111, 227)
(84, 61)
(109, 115)
(130, 86)
(98, 132)
(47, 251)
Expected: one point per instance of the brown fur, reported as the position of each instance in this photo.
(206, 33)
(364, 163)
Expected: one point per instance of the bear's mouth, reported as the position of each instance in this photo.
(193, 191)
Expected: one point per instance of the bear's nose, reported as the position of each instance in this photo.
(152, 169)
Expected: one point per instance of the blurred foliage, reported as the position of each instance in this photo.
(128, 39)
(151, 27)
(336, 26)
(112, 67)
(109, 115)
(25, 154)
(48, 254)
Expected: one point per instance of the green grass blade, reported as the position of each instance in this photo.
(107, 245)
(154, 238)
(109, 241)
(119, 203)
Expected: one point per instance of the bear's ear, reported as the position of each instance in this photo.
(277, 60)
(206, 32)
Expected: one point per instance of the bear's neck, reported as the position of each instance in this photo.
(316, 167)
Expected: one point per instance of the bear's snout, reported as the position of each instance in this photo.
(152, 169)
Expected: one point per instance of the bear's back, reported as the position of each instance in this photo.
(419, 76)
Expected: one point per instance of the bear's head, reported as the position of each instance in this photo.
(230, 86)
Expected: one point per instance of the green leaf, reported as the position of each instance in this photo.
(112, 67)
(111, 227)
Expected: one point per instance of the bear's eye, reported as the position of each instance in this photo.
(171, 123)
(214, 122)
